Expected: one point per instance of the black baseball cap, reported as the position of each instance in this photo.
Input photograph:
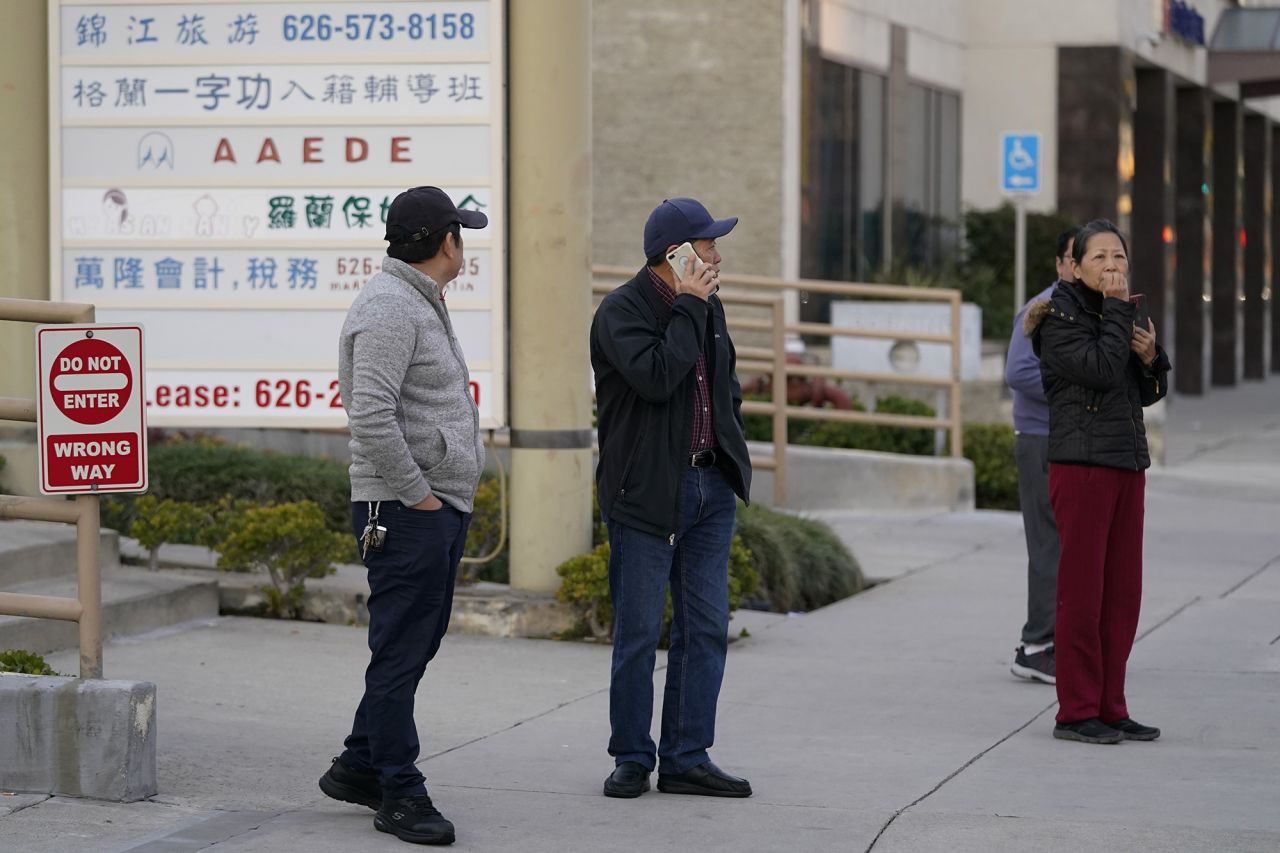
(422, 211)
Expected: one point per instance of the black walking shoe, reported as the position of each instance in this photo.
(1036, 667)
(629, 779)
(706, 780)
(351, 786)
(414, 819)
(1131, 729)
(1091, 730)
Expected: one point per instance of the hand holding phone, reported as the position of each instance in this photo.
(1141, 319)
(692, 276)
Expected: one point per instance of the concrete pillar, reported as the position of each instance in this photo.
(1228, 343)
(1193, 242)
(1153, 199)
(550, 226)
(24, 215)
(1257, 249)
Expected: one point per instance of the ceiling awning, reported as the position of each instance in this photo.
(1245, 49)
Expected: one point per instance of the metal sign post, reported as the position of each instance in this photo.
(1020, 175)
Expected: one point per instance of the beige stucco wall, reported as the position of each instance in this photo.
(24, 216)
(688, 100)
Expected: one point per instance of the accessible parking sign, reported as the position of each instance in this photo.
(90, 414)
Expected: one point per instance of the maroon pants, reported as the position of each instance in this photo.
(1100, 515)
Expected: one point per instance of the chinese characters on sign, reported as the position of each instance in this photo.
(241, 157)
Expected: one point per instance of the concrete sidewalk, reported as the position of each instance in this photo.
(888, 721)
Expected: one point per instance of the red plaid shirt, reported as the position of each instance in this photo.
(704, 433)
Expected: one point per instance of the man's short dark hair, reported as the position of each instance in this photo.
(417, 251)
(1094, 228)
(1064, 242)
(656, 260)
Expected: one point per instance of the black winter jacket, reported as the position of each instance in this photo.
(1095, 384)
(644, 399)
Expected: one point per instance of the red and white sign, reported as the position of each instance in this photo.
(91, 415)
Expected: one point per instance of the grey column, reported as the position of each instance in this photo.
(1153, 199)
(1258, 248)
(1228, 343)
(1193, 242)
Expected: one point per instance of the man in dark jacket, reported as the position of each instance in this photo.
(1033, 659)
(673, 457)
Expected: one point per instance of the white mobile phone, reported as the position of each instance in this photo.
(684, 260)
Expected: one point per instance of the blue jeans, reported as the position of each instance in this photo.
(697, 567)
(410, 598)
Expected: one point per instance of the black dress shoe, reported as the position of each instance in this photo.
(351, 786)
(705, 780)
(1131, 729)
(629, 779)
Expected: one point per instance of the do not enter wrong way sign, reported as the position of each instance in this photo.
(89, 409)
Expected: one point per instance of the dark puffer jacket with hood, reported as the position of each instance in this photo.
(1095, 384)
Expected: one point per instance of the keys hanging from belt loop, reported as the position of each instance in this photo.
(374, 536)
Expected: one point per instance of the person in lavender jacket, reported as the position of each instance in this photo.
(1033, 658)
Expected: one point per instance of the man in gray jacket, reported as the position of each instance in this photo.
(416, 457)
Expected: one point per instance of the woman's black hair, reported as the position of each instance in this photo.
(1092, 229)
(417, 251)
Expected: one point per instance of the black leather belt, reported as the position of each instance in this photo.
(703, 458)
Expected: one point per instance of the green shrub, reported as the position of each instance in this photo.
(289, 542)
(203, 471)
(24, 662)
(887, 439)
(802, 564)
(585, 585)
(760, 427)
(995, 474)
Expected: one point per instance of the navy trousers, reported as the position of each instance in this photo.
(410, 598)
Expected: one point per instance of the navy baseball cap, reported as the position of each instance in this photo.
(679, 219)
(418, 213)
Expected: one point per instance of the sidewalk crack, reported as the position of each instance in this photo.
(1268, 564)
(899, 812)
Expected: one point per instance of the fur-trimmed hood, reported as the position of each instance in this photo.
(1034, 316)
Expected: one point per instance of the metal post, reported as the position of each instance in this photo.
(1019, 254)
(957, 428)
(90, 583)
(778, 313)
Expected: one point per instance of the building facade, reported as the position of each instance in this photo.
(850, 135)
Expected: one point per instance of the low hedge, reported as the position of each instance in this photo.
(988, 446)
(776, 562)
(204, 470)
(802, 564)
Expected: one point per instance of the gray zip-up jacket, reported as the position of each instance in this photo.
(415, 429)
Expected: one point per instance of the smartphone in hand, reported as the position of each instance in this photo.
(683, 260)
(1141, 319)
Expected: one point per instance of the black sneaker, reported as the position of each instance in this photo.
(414, 819)
(1133, 730)
(351, 786)
(1036, 667)
(1091, 730)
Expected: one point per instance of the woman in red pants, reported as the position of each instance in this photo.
(1099, 369)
